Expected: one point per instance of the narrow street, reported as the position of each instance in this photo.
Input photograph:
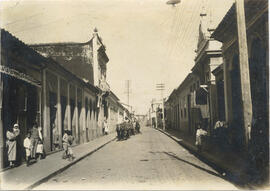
(148, 160)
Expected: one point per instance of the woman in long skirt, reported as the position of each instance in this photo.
(12, 144)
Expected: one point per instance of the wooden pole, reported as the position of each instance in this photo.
(244, 69)
(1, 125)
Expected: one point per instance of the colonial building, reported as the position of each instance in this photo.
(195, 100)
(55, 85)
(21, 88)
(257, 132)
(88, 62)
(208, 58)
(182, 111)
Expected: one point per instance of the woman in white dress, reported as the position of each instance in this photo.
(12, 144)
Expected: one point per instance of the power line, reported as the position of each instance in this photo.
(20, 20)
(128, 91)
(187, 32)
(48, 23)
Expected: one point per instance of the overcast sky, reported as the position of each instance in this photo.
(148, 42)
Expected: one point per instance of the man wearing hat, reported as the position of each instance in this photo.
(12, 144)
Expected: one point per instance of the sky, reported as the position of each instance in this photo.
(148, 42)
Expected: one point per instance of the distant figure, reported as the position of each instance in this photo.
(65, 144)
(106, 127)
(12, 144)
(118, 130)
(70, 142)
(138, 127)
(199, 133)
(56, 139)
(40, 150)
(27, 146)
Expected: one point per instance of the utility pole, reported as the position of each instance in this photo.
(128, 82)
(244, 69)
(2, 143)
(160, 87)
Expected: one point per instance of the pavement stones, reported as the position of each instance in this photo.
(227, 166)
(24, 177)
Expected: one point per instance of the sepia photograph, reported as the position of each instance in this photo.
(134, 95)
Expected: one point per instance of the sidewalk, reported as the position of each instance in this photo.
(24, 177)
(229, 164)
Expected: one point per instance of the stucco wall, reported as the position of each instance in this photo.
(77, 58)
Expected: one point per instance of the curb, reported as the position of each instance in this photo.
(33, 185)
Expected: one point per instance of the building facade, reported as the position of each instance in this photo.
(54, 85)
(257, 132)
(195, 100)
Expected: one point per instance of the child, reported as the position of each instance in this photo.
(65, 144)
(27, 145)
(39, 151)
(69, 150)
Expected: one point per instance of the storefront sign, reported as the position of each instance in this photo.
(19, 75)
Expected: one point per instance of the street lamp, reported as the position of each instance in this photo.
(173, 2)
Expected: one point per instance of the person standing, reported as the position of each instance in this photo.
(118, 131)
(40, 150)
(137, 126)
(12, 136)
(27, 146)
(34, 140)
(199, 134)
(65, 144)
(55, 137)
(69, 149)
(106, 127)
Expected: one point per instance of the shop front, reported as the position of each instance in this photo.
(21, 105)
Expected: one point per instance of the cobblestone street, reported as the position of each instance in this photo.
(148, 160)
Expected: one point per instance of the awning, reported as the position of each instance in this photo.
(201, 96)
(21, 76)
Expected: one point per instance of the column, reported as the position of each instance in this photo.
(109, 116)
(59, 112)
(45, 110)
(39, 108)
(2, 143)
(244, 69)
(76, 115)
(226, 98)
(83, 116)
(68, 106)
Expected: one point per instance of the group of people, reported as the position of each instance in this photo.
(127, 128)
(33, 144)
